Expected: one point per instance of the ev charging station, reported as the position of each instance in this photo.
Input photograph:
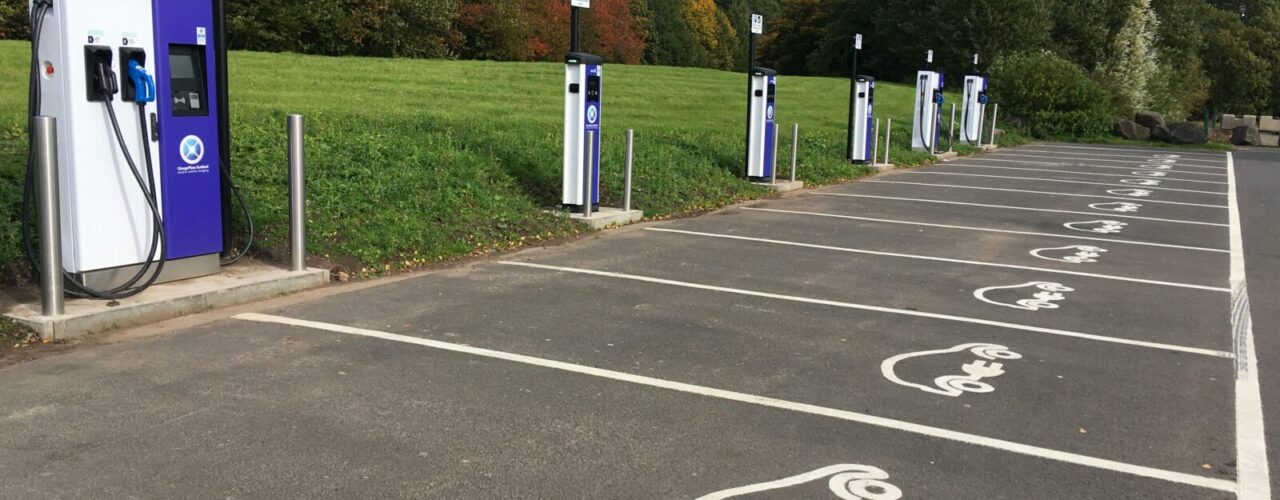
(928, 109)
(133, 88)
(862, 98)
(974, 110)
(584, 82)
(864, 101)
(582, 114)
(763, 128)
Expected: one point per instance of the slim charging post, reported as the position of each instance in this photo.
(928, 108)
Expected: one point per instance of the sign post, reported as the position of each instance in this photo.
(757, 28)
(853, 84)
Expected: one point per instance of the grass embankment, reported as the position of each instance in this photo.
(413, 161)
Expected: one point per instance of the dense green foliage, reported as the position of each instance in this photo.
(1043, 85)
(420, 160)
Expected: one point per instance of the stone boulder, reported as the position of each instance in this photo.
(1245, 135)
(1150, 119)
(1131, 130)
(1162, 133)
(1188, 133)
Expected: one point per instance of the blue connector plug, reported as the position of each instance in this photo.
(143, 83)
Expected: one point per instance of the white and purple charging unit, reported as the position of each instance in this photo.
(975, 108)
(864, 102)
(584, 81)
(928, 109)
(763, 127)
(131, 85)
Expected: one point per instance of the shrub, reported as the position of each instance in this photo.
(1070, 124)
(1035, 86)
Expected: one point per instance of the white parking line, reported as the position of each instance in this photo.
(1048, 193)
(1180, 152)
(1041, 179)
(1112, 167)
(848, 416)
(888, 310)
(989, 230)
(1251, 438)
(1006, 207)
(1131, 162)
(1180, 159)
(940, 259)
(1070, 172)
(1137, 158)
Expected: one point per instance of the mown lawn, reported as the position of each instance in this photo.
(413, 161)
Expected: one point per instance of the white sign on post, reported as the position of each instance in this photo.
(857, 42)
(975, 59)
(929, 58)
(757, 24)
(585, 4)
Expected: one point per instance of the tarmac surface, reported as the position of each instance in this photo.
(1050, 321)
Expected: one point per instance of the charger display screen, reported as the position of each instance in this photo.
(187, 83)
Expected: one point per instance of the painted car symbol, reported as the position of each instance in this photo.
(1158, 167)
(191, 149)
(1136, 193)
(1084, 254)
(1150, 173)
(1046, 295)
(1097, 226)
(956, 385)
(1141, 182)
(1120, 206)
(846, 481)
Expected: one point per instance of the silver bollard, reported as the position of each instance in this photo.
(589, 177)
(888, 134)
(951, 136)
(875, 150)
(795, 148)
(297, 195)
(626, 180)
(46, 144)
(773, 172)
(994, 114)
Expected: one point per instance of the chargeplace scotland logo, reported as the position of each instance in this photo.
(191, 149)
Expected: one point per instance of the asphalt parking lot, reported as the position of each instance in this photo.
(1050, 321)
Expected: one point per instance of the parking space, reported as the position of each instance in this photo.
(1018, 325)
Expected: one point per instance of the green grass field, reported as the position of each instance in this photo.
(414, 161)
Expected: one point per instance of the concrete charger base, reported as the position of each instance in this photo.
(238, 284)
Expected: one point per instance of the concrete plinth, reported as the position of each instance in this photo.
(883, 166)
(989, 147)
(609, 217)
(782, 186)
(948, 156)
(235, 285)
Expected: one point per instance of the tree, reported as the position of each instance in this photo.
(1131, 64)
(490, 29)
(609, 31)
(711, 29)
(14, 20)
(673, 42)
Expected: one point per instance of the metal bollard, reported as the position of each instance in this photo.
(297, 195)
(46, 145)
(795, 148)
(590, 174)
(626, 180)
(994, 114)
(875, 150)
(951, 136)
(773, 171)
(888, 134)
